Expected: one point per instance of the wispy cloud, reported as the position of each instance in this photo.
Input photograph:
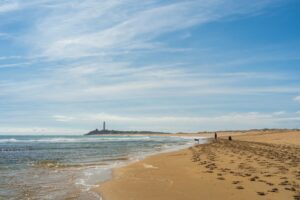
(62, 118)
(6, 6)
(128, 26)
(39, 130)
(12, 65)
(116, 81)
(10, 57)
(297, 98)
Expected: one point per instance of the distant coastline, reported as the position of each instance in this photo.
(111, 132)
(104, 131)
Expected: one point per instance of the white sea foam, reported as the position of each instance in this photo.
(76, 140)
(8, 140)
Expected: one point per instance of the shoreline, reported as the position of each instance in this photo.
(139, 158)
(181, 174)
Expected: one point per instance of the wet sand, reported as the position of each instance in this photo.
(256, 165)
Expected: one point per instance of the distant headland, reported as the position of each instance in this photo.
(105, 131)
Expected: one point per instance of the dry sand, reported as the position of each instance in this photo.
(255, 165)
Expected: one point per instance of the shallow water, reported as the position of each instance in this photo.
(67, 167)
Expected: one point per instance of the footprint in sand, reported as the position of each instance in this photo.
(284, 183)
(268, 183)
(268, 175)
(261, 193)
(240, 187)
(290, 189)
(273, 190)
(263, 181)
(297, 197)
(235, 182)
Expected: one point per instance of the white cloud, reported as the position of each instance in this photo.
(185, 35)
(39, 131)
(9, 57)
(279, 113)
(9, 6)
(62, 118)
(297, 98)
(13, 65)
(4, 36)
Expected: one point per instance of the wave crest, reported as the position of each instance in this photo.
(76, 140)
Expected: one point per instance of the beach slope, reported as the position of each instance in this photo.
(253, 166)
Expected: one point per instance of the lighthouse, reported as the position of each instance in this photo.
(103, 126)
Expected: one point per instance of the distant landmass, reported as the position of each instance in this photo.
(101, 132)
(105, 131)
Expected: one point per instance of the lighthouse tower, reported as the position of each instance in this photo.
(103, 126)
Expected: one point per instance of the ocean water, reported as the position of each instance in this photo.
(68, 167)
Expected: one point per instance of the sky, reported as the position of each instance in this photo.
(173, 66)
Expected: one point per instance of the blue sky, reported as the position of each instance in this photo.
(65, 66)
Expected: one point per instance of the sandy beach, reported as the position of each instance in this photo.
(255, 165)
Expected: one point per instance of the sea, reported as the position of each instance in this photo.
(69, 167)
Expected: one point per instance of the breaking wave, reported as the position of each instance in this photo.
(76, 140)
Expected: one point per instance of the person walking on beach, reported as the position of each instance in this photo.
(216, 136)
